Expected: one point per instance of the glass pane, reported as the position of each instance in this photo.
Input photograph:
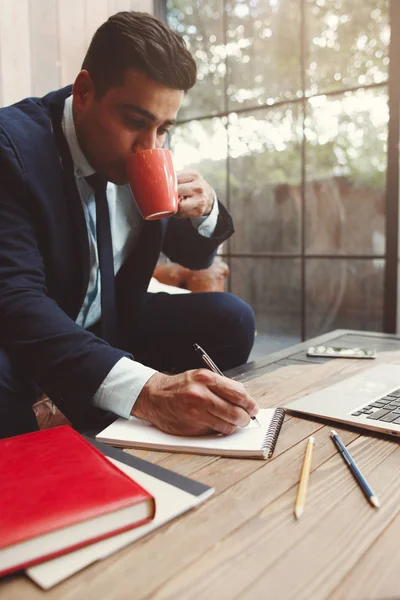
(263, 50)
(201, 26)
(265, 175)
(202, 145)
(348, 42)
(272, 288)
(346, 173)
(344, 294)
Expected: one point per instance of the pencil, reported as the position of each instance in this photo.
(304, 477)
(358, 476)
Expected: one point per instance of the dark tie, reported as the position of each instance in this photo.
(106, 259)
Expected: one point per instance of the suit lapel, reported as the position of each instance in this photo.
(73, 197)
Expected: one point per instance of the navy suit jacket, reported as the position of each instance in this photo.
(44, 258)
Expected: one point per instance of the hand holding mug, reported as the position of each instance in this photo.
(196, 196)
(159, 192)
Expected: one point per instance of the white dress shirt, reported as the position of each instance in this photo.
(123, 384)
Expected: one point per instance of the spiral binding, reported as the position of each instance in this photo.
(273, 431)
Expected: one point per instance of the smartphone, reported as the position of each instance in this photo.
(336, 352)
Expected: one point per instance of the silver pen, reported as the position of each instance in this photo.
(213, 367)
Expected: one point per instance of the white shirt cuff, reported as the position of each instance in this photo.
(206, 225)
(120, 389)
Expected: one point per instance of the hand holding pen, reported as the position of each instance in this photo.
(194, 402)
(213, 367)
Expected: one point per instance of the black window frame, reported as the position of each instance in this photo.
(391, 255)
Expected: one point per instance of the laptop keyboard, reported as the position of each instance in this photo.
(386, 409)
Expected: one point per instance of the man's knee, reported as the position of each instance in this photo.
(238, 313)
(220, 322)
(234, 323)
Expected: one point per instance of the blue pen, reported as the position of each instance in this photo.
(359, 477)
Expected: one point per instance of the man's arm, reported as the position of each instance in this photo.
(47, 346)
(183, 243)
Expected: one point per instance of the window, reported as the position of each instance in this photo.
(289, 121)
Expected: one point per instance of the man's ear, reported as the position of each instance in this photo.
(83, 89)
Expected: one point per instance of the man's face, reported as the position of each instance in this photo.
(133, 116)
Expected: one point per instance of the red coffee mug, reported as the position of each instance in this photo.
(153, 182)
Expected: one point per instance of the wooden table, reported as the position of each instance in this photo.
(244, 542)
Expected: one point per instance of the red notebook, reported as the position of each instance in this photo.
(58, 493)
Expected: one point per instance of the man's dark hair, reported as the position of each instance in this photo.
(140, 41)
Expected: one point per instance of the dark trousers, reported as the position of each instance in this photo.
(166, 329)
(17, 395)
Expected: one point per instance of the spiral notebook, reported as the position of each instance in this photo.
(247, 442)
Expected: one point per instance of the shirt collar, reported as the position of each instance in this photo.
(82, 167)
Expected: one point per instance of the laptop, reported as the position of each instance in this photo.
(369, 400)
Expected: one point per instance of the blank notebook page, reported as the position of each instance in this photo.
(248, 441)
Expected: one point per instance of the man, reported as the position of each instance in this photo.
(124, 99)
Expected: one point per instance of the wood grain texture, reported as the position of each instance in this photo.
(71, 27)
(14, 50)
(245, 563)
(96, 13)
(43, 42)
(245, 543)
(115, 6)
(382, 558)
(45, 63)
(143, 5)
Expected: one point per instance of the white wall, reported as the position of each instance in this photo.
(43, 42)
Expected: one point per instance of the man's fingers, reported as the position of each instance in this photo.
(186, 190)
(225, 398)
(233, 392)
(191, 207)
(229, 413)
(222, 426)
(186, 176)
